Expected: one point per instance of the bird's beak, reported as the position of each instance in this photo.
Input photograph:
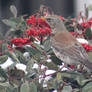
(43, 18)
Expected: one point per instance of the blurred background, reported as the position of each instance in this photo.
(65, 8)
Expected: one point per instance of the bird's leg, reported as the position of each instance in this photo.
(80, 68)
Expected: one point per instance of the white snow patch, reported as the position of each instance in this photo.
(21, 66)
(81, 40)
(7, 63)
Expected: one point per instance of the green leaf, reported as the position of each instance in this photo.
(13, 10)
(10, 23)
(30, 64)
(31, 75)
(52, 83)
(51, 65)
(15, 23)
(76, 90)
(2, 89)
(90, 55)
(3, 59)
(88, 32)
(35, 53)
(67, 89)
(25, 87)
(85, 81)
(1, 36)
(11, 89)
(16, 74)
(90, 7)
(5, 84)
(4, 49)
(55, 60)
(20, 23)
(74, 76)
(13, 57)
(37, 46)
(87, 87)
(47, 45)
(22, 27)
(20, 57)
(58, 76)
(33, 87)
(3, 75)
(86, 12)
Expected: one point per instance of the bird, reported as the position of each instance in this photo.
(64, 45)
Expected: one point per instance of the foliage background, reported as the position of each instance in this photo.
(27, 43)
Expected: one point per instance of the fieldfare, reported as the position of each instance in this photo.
(64, 45)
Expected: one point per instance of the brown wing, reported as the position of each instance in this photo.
(67, 45)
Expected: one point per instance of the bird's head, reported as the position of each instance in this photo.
(55, 23)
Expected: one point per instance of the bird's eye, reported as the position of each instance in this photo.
(49, 19)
